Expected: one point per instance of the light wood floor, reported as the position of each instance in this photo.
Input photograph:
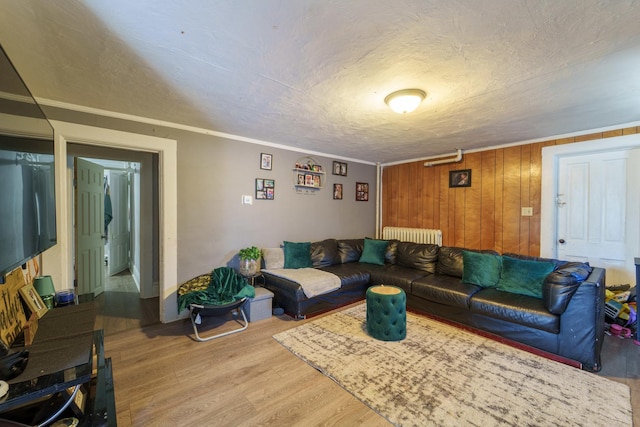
(120, 307)
(165, 378)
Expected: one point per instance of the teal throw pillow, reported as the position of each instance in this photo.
(481, 269)
(297, 255)
(524, 277)
(374, 251)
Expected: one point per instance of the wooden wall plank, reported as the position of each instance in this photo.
(525, 199)
(415, 198)
(426, 176)
(390, 192)
(511, 199)
(535, 197)
(457, 210)
(446, 220)
(473, 203)
(612, 133)
(488, 201)
(590, 137)
(404, 193)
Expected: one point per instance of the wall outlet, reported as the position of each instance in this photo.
(247, 200)
(527, 211)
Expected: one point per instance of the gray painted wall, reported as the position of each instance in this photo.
(213, 174)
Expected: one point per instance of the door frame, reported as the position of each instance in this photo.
(550, 173)
(58, 260)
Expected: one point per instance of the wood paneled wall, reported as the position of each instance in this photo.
(486, 215)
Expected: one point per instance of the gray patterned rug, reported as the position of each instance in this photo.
(441, 375)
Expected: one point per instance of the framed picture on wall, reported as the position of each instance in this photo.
(460, 178)
(362, 191)
(265, 189)
(266, 161)
(337, 191)
(339, 168)
(336, 168)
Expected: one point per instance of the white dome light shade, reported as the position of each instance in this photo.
(405, 101)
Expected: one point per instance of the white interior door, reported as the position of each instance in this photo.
(89, 225)
(597, 211)
(119, 234)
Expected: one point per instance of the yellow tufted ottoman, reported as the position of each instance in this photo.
(386, 313)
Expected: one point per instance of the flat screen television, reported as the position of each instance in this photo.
(27, 207)
(27, 190)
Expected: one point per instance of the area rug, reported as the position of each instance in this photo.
(440, 375)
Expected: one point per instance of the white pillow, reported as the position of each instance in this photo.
(273, 258)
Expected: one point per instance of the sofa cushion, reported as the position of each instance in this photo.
(350, 250)
(481, 269)
(450, 260)
(273, 258)
(392, 252)
(521, 309)
(556, 262)
(523, 277)
(297, 255)
(325, 252)
(374, 251)
(350, 274)
(394, 275)
(560, 285)
(443, 289)
(421, 256)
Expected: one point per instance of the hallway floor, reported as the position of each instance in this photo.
(120, 307)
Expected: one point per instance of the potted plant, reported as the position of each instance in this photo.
(250, 261)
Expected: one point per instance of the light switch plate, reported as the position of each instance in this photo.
(247, 200)
(527, 211)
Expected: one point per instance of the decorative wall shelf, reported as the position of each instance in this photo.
(308, 174)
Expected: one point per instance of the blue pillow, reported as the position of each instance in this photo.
(374, 251)
(523, 277)
(481, 269)
(297, 255)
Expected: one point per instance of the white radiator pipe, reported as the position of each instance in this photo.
(458, 157)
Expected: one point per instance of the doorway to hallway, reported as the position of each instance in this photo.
(130, 260)
(158, 245)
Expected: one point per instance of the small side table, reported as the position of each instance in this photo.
(252, 279)
(387, 313)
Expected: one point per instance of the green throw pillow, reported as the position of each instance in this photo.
(374, 251)
(297, 255)
(523, 277)
(481, 269)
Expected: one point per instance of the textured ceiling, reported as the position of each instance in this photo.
(314, 74)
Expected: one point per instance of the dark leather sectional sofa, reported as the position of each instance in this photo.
(567, 321)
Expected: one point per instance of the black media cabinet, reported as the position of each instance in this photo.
(67, 374)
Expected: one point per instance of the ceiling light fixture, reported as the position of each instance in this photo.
(405, 101)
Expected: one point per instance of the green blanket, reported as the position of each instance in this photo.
(225, 286)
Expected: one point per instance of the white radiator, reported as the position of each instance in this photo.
(415, 235)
